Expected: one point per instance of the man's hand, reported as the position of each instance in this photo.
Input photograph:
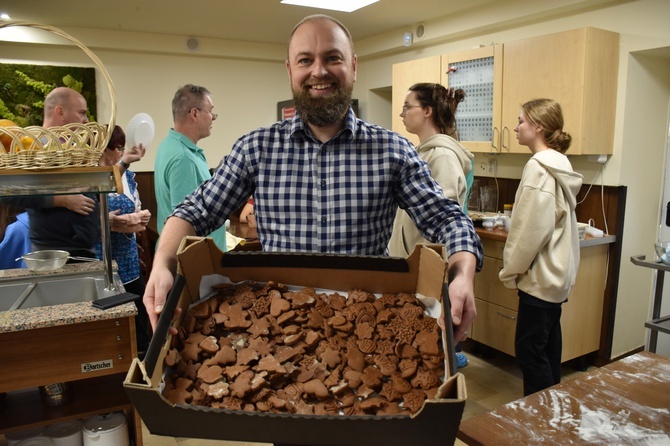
(164, 267)
(81, 204)
(159, 285)
(462, 267)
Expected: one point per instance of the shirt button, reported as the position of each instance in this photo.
(324, 219)
(323, 183)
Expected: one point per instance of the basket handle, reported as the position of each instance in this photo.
(89, 53)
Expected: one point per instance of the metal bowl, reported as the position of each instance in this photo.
(662, 249)
(45, 260)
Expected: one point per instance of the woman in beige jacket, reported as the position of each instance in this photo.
(429, 112)
(541, 254)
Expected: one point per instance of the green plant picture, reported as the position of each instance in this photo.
(23, 88)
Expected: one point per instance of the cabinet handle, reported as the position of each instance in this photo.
(504, 131)
(496, 134)
(506, 316)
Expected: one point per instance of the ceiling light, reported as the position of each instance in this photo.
(5, 16)
(334, 5)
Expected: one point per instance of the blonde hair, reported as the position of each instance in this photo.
(547, 113)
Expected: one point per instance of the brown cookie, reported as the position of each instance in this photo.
(237, 318)
(414, 400)
(210, 374)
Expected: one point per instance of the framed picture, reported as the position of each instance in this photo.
(23, 88)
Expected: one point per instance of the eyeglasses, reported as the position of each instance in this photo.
(120, 149)
(214, 115)
(407, 107)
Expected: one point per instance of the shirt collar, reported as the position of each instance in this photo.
(298, 126)
(185, 140)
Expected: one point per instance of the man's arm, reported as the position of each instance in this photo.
(461, 274)
(164, 266)
(81, 204)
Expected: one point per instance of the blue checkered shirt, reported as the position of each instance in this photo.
(335, 197)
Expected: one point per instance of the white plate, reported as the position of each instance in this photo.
(140, 130)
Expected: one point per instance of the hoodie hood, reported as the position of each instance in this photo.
(559, 166)
(447, 142)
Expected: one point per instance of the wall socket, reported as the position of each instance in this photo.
(493, 164)
(600, 159)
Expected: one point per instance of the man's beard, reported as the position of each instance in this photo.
(324, 110)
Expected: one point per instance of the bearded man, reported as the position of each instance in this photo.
(325, 181)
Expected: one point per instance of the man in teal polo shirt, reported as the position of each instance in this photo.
(180, 164)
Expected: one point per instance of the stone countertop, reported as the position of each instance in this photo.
(18, 273)
(501, 236)
(55, 315)
(64, 314)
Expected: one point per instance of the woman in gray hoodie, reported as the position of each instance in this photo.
(541, 253)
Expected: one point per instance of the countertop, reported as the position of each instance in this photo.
(625, 402)
(64, 314)
(501, 236)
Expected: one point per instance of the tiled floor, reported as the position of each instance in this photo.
(491, 381)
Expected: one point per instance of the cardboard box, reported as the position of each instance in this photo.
(423, 272)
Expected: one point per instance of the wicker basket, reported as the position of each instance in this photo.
(73, 145)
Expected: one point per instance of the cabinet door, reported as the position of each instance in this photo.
(405, 75)
(581, 320)
(478, 117)
(489, 288)
(578, 69)
(494, 326)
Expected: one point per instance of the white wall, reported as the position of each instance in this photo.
(248, 80)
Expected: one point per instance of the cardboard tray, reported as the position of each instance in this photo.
(422, 272)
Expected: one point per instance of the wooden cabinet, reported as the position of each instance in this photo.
(577, 68)
(405, 75)
(93, 357)
(581, 318)
(479, 73)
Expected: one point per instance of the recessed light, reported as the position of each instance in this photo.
(4, 16)
(334, 5)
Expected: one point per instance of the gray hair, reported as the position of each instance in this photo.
(186, 98)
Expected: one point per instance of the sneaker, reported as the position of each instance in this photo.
(461, 360)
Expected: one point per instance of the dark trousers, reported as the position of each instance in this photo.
(538, 343)
(142, 326)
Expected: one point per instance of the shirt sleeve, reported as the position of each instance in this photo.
(181, 176)
(212, 202)
(438, 218)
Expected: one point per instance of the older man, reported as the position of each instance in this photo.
(180, 164)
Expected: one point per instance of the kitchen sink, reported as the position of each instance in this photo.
(36, 291)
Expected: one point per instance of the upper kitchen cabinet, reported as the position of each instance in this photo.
(479, 72)
(578, 69)
(405, 75)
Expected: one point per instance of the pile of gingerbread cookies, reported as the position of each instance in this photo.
(263, 347)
